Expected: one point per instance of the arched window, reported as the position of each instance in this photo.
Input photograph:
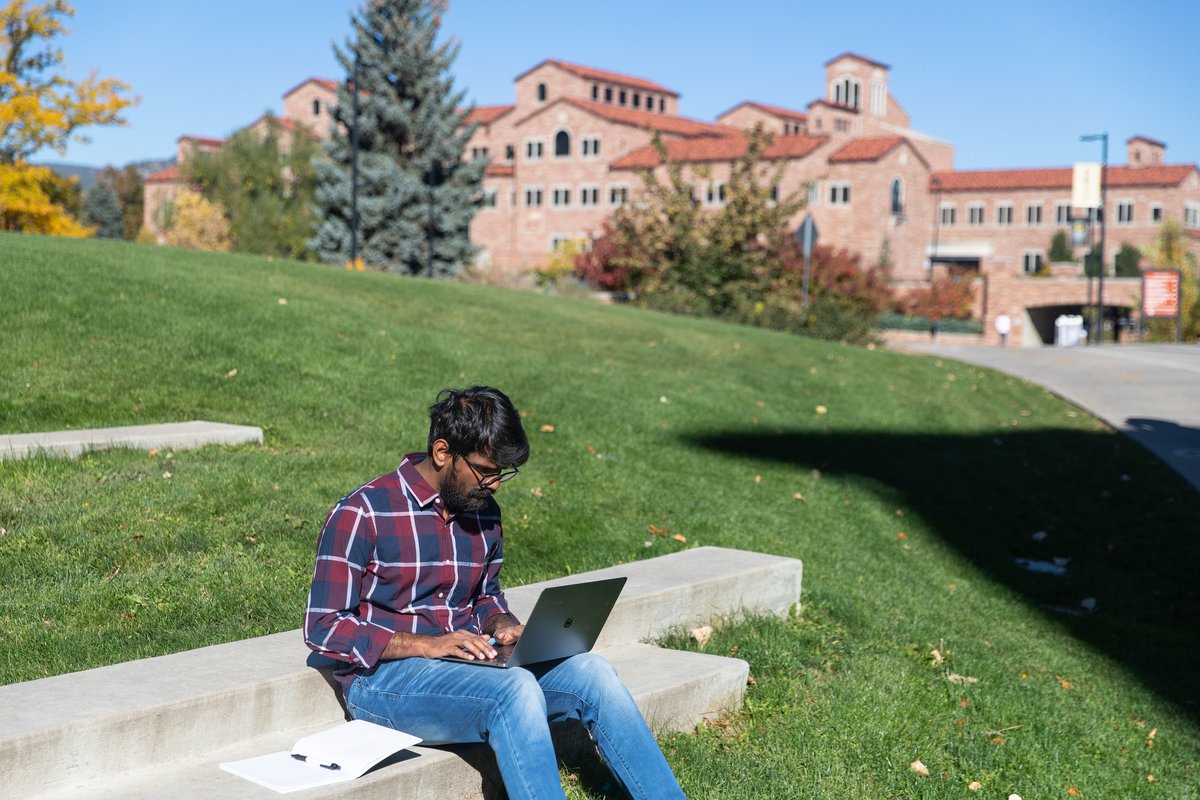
(847, 92)
(541, 92)
(897, 196)
(562, 144)
(316, 108)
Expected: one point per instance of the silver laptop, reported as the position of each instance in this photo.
(566, 621)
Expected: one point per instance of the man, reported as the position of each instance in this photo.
(407, 572)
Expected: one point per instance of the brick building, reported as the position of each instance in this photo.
(573, 144)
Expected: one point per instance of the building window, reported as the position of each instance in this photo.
(812, 195)
(1004, 214)
(489, 198)
(478, 152)
(595, 91)
(316, 108)
(1156, 212)
(621, 98)
(975, 214)
(1125, 212)
(509, 152)
(716, 194)
(637, 100)
(947, 214)
(662, 106)
(841, 125)
(774, 194)
(878, 98)
(590, 145)
(541, 92)
(608, 94)
(846, 92)
(562, 144)
(1191, 215)
(533, 196)
(618, 195)
(534, 149)
(1031, 261)
(560, 197)
(589, 195)
(1062, 213)
(839, 194)
(897, 196)
(1033, 214)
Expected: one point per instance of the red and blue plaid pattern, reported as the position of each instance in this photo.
(387, 561)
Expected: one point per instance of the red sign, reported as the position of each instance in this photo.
(1160, 294)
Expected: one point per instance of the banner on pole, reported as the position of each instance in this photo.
(1085, 186)
(1161, 294)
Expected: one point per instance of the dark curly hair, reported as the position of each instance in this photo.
(479, 419)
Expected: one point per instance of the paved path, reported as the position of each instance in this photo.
(1150, 392)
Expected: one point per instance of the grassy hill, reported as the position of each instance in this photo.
(907, 485)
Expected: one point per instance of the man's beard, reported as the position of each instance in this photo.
(460, 502)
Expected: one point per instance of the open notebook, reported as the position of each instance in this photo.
(341, 753)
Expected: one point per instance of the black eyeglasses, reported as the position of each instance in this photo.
(486, 476)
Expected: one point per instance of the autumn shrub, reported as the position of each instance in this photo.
(947, 296)
(198, 224)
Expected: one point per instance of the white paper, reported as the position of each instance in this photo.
(354, 746)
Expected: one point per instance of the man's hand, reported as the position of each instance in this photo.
(509, 635)
(460, 644)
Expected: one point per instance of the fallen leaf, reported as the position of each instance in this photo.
(536, 491)
(964, 702)
(919, 768)
(1151, 778)
(902, 536)
(1063, 682)
(153, 452)
(167, 475)
(679, 537)
(822, 409)
(663, 399)
(998, 740)
(547, 428)
(1071, 790)
(974, 786)
(750, 681)
(591, 450)
(232, 373)
(800, 497)
(127, 616)
(283, 301)
(962, 680)
(657, 531)
(758, 478)
(702, 634)
(938, 658)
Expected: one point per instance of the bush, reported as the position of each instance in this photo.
(1060, 248)
(946, 297)
(198, 224)
(1128, 261)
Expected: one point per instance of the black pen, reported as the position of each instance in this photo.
(299, 757)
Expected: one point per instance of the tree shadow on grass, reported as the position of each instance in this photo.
(1128, 523)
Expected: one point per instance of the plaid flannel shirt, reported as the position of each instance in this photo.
(387, 561)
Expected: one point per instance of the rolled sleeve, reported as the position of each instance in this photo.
(335, 624)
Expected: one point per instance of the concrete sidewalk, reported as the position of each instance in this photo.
(1149, 392)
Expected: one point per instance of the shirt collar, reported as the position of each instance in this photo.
(422, 492)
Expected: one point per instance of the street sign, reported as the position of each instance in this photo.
(1085, 186)
(807, 235)
(1160, 294)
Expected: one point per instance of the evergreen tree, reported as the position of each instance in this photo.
(416, 194)
(128, 184)
(102, 209)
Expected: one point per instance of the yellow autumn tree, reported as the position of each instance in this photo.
(40, 108)
(198, 224)
(1171, 252)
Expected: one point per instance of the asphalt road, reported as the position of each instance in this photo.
(1150, 392)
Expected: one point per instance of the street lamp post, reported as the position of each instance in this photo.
(354, 170)
(1103, 138)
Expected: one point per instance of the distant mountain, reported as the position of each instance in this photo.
(87, 175)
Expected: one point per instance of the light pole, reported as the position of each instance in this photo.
(354, 170)
(1103, 138)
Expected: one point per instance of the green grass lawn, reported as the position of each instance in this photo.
(907, 485)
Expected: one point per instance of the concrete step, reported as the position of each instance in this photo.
(174, 435)
(675, 690)
(99, 724)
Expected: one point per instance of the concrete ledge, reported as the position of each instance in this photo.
(99, 726)
(175, 435)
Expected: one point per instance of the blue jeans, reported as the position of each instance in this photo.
(448, 703)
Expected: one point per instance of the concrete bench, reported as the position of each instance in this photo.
(174, 435)
(158, 727)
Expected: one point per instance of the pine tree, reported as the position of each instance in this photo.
(102, 209)
(416, 194)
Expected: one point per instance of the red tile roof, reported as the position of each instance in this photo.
(591, 73)
(1145, 139)
(1057, 178)
(168, 175)
(201, 140)
(324, 83)
(728, 148)
(870, 61)
(870, 148)
(498, 170)
(486, 115)
(778, 111)
(837, 106)
(667, 123)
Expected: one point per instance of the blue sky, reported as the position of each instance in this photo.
(1010, 84)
